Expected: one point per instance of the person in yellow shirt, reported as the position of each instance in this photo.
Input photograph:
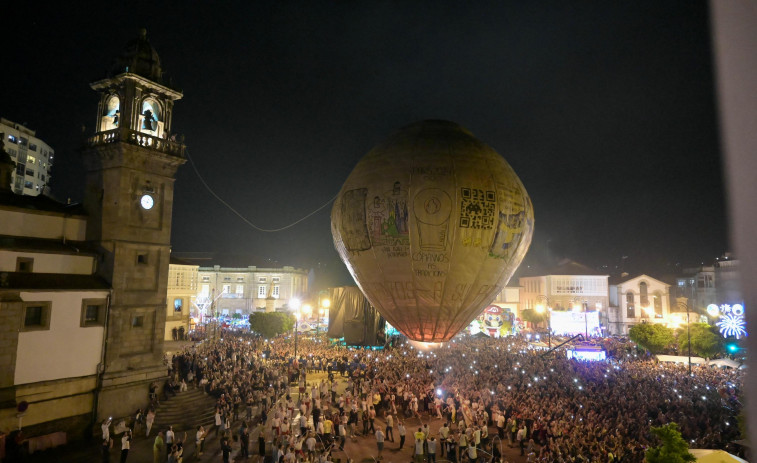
(328, 427)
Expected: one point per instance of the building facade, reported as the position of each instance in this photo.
(53, 313)
(33, 158)
(243, 290)
(181, 294)
(569, 286)
(639, 299)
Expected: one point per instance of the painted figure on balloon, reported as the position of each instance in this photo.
(389, 217)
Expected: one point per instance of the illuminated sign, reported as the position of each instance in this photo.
(732, 322)
(592, 355)
(566, 323)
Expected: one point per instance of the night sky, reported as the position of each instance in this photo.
(606, 110)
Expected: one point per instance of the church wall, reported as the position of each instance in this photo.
(66, 349)
(49, 263)
(43, 225)
(53, 406)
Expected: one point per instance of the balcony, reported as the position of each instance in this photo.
(137, 138)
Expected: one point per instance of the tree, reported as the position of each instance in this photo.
(271, 324)
(532, 316)
(705, 340)
(673, 449)
(653, 337)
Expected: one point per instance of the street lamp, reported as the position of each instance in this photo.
(294, 303)
(542, 302)
(688, 328)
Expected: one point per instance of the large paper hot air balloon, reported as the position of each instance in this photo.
(432, 223)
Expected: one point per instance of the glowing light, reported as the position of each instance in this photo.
(737, 309)
(732, 325)
(713, 310)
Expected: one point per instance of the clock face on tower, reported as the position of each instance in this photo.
(146, 202)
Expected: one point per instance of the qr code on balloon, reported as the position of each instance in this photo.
(477, 208)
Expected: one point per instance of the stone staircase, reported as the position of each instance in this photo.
(185, 411)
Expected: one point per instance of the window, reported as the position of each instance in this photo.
(226, 278)
(12, 139)
(32, 147)
(261, 280)
(204, 278)
(204, 290)
(643, 295)
(261, 291)
(29, 185)
(31, 160)
(630, 309)
(142, 259)
(226, 289)
(275, 292)
(276, 279)
(240, 278)
(36, 316)
(138, 321)
(24, 264)
(93, 312)
(240, 290)
(178, 304)
(30, 172)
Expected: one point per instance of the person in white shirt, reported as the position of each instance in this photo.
(380, 442)
(390, 427)
(431, 444)
(125, 445)
(443, 436)
(106, 428)
(169, 439)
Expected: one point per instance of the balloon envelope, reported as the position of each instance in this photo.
(432, 223)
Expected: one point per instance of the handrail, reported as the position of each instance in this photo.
(137, 138)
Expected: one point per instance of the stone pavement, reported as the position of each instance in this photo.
(359, 450)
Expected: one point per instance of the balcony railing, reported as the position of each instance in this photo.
(137, 138)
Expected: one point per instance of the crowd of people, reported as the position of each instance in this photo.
(487, 394)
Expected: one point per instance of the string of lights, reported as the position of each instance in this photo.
(242, 217)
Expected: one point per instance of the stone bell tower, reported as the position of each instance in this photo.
(131, 161)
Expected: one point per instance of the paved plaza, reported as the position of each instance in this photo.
(362, 449)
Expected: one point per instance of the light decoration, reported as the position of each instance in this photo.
(732, 322)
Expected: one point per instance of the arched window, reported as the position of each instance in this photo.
(630, 307)
(111, 113)
(643, 296)
(150, 115)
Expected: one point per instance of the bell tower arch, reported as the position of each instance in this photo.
(131, 161)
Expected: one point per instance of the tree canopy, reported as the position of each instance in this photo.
(653, 337)
(705, 340)
(532, 316)
(270, 324)
(673, 448)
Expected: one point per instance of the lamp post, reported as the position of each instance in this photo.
(541, 302)
(688, 328)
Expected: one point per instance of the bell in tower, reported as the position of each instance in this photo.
(131, 162)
